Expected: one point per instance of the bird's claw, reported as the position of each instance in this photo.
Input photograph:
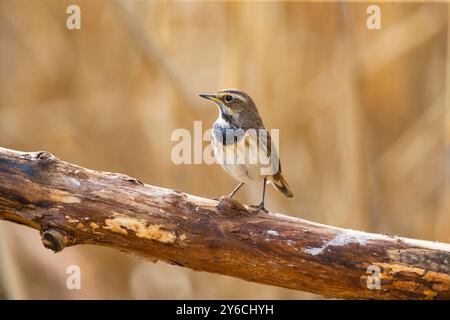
(259, 207)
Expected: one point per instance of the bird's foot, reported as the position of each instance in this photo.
(259, 207)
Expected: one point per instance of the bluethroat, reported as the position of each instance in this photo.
(242, 145)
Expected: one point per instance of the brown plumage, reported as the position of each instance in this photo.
(242, 145)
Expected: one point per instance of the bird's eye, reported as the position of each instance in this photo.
(228, 98)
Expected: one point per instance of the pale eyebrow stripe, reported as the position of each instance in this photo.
(234, 91)
(238, 94)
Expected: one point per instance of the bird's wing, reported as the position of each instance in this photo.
(273, 153)
(259, 141)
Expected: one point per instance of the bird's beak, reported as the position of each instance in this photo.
(208, 96)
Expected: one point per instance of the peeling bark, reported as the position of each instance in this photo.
(71, 205)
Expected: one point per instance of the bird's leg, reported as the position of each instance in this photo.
(235, 190)
(261, 204)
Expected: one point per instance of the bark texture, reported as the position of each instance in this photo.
(71, 205)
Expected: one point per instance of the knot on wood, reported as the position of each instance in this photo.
(44, 157)
(56, 239)
(231, 206)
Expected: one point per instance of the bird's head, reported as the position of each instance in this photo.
(235, 107)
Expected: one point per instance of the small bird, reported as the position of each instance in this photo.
(242, 145)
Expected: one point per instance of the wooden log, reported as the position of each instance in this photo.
(71, 205)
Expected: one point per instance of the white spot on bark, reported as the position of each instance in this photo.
(74, 182)
(338, 241)
(273, 233)
(158, 192)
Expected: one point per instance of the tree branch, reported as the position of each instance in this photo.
(71, 205)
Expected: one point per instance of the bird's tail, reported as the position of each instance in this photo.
(281, 185)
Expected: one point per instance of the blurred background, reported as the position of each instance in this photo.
(364, 118)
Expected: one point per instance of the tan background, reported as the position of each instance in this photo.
(364, 119)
